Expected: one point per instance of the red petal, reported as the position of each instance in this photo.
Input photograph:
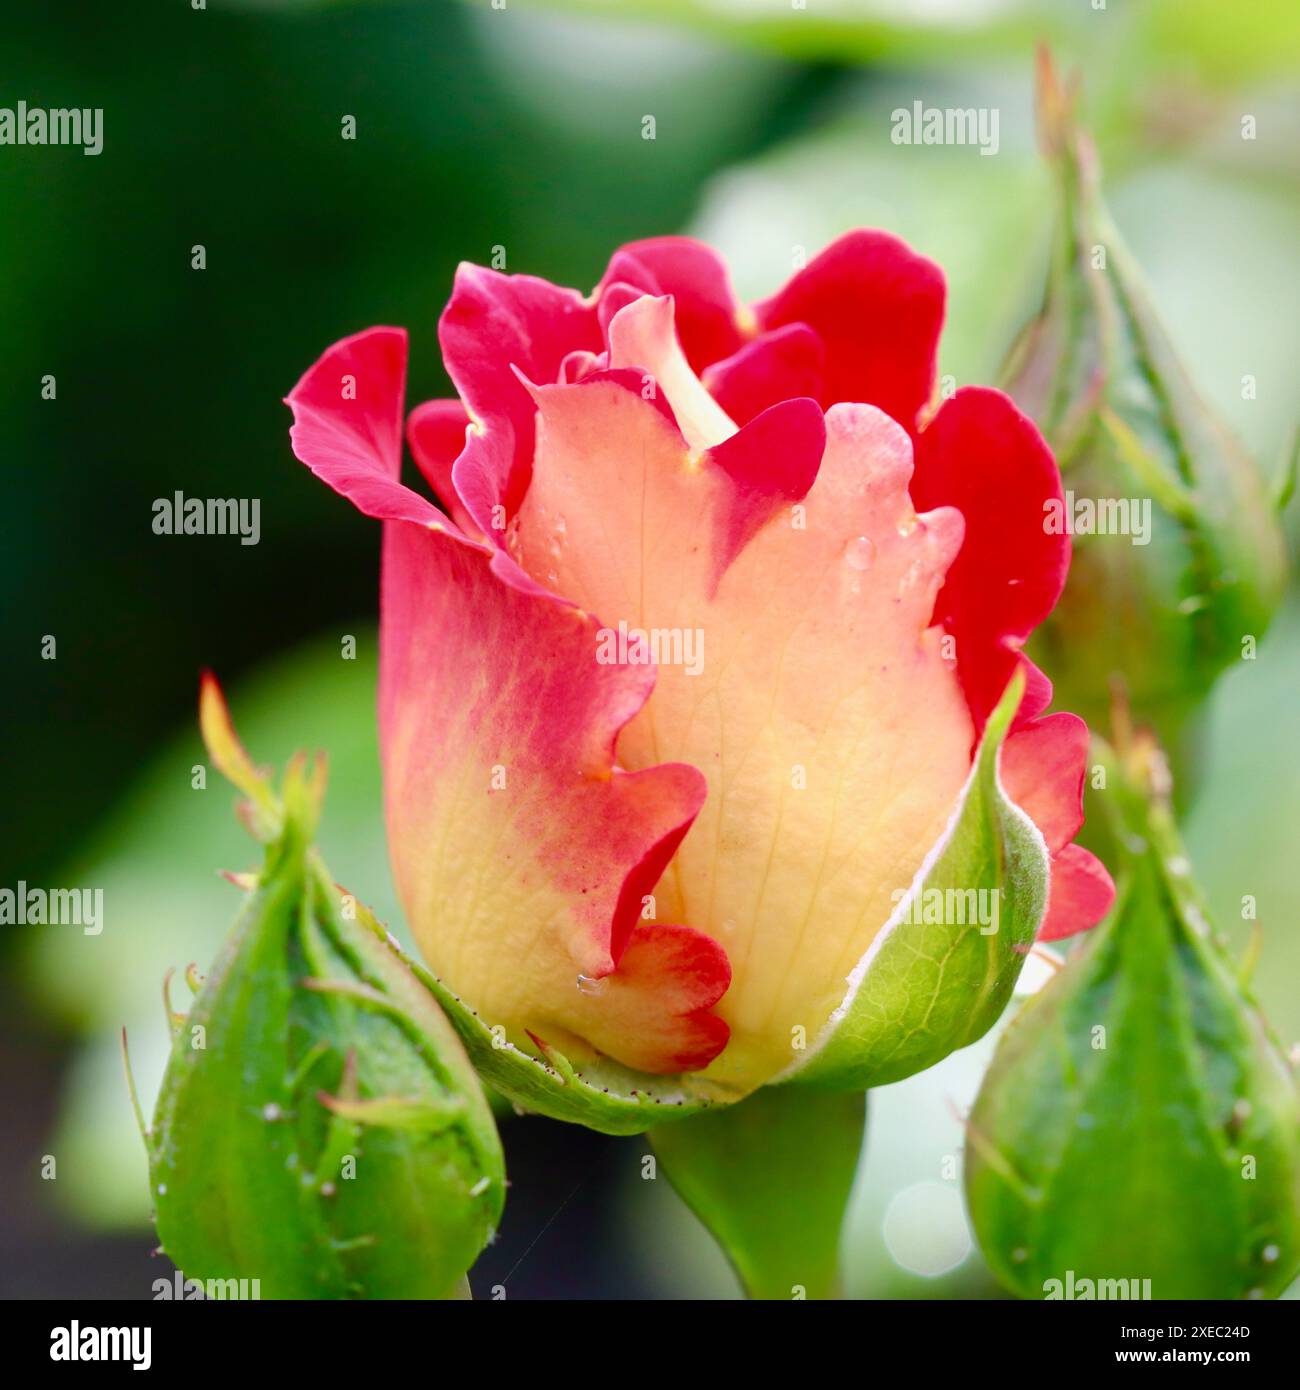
(696, 277)
(436, 433)
(1080, 896)
(348, 424)
(495, 322)
(982, 456)
(658, 1001)
(1042, 770)
(777, 366)
(771, 462)
(877, 307)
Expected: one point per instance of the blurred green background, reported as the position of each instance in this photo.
(517, 127)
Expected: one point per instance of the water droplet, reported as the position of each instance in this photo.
(1196, 920)
(860, 553)
(162, 1189)
(1269, 1254)
(1020, 1254)
(587, 985)
(908, 524)
(271, 1111)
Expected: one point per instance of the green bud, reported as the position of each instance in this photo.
(1138, 1122)
(319, 1129)
(1197, 569)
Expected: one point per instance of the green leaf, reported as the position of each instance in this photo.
(927, 987)
(770, 1178)
(1138, 1122)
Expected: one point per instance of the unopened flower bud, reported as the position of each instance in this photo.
(319, 1128)
(1178, 555)
(1138, 1133)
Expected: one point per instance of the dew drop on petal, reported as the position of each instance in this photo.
(588, 985)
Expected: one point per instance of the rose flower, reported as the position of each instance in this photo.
(683, 691)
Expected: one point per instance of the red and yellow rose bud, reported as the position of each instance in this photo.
(707, 669)
(1179, 558)
(1138, 1132)
(319, 1129)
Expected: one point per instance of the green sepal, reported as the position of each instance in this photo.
(1138, 1121)
(924, 989)
(770, 1178)
(603, 1095)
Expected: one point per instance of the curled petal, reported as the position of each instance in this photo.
(770, 463)
(436, 433)
(347, 425)
(1042, 770)
(1080, 895)
(877, 307)
(655, 1011)
(708, 318)
(777, 366)
(982, 456)
(643, 335)
(492, 323)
